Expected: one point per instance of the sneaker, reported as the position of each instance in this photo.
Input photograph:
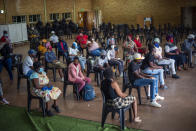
(155, 104)
(175, 76)
(121, 74)
(62, 79)
(137, 120)
(56, 108)
(4, 101)
(158, 97)
(49, 113)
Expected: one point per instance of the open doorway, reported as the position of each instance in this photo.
(86, 20)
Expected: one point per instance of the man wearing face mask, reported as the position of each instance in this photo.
(187, 47)
(164, 61)
(115, 61)
(28, 63)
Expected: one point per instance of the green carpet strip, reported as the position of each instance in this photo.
(18, 119)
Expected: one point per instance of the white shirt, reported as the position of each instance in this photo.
(26, 65)
(101, 62)
(158, 52)
(54, 39)
(73, 51)
(111, 54)
(168, 49)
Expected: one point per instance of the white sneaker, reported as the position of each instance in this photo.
(158, 97)
(62, 79)
(4, 101)
(155, 104)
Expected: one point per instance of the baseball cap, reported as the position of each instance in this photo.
(138, 56)
(191, 36)
(157, 40)
(44, 40)
(32, 52)
(52, 32)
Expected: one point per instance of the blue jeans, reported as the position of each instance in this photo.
(96, 52)
(29, 73)
(159, 72)
(153, 85)
(8, 66)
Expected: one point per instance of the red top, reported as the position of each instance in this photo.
(82, 39)
(3, 39)
(139, 45)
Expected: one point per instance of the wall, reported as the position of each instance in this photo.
(131, 11)
(29, 7)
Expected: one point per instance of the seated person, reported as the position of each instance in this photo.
(93, 48)
(115, 61)
(82, 40)
(138, 79)
(139, 45)
(112, 41)
(187, 47)
(73, 52)
(62, 47)
(53, 62)
(5, 59)
(164, 61)
(2, 99)
(42, 47)
(48, 45)
(75, 74)
(172, 52)
(115, 97)
(151, 68)
(101, 63)
(42, 88)
(28, 62)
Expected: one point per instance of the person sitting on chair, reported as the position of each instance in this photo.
(115, 97)
(172, 52)
(73, 52)
(42, 88)
(93, 48)
(42, 47)
(164, 61)
(75, 74)
(139, 45)
(53, 62)
(28, 62)
(138, 79)
(150, 67)
(62, 47)
(115, 61)
(112, 41)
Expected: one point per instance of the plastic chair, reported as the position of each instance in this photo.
(107, 109)
(20, 74)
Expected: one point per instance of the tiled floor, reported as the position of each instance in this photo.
(177, 112)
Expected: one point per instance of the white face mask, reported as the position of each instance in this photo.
(112, 46)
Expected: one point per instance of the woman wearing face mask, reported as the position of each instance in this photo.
(42, 88)
(73, 52)
(115, 61)
(75, 74)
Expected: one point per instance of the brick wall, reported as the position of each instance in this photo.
(133, 11)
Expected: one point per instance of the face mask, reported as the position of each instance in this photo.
(102, 57)
(156, 45)
(41, 70)
(172, 40)
(6, 35)
(112, 46)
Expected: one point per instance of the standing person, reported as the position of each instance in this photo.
(138, 79)
(62, 47)
(6, 59)
(115, 96)
(73, 52)
(164, 61)
(188, 45)
(151, 68)
(28, 62)
(139, 45)
(111, 56)
(172, 52)
(54, 39)
(75, 74)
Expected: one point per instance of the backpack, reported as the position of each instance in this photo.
(89, 93)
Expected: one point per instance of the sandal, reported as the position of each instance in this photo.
(137, 120)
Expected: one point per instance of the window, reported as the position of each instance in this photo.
(54, 16)
(66, 15)
(34, 18)
(19, 19)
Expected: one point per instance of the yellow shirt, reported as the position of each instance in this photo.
(42, 49)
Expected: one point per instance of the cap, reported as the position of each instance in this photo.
(32, 52)
(157, 40)
(191, 36)
(52, 32)
(44, 40)
(138, 56)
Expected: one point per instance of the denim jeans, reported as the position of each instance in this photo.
(8, 66)
(159, 72)
(96, 52)
(119, 63)
(29, 73)
(170, 62)
(153, 85)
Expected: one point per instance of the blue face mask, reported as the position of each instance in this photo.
(6, 35)
(41, 70)
(156, 45)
